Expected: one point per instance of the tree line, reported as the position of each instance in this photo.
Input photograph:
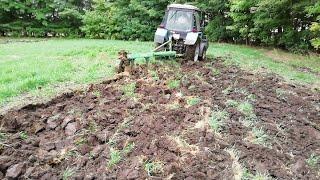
(289, 24)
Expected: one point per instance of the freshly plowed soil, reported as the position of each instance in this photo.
(163, 122)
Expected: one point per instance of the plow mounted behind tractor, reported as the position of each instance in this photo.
(181, 34)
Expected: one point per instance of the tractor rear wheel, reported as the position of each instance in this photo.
(204, 55)
(193, 52)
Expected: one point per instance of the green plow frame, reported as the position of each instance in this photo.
(148, 56)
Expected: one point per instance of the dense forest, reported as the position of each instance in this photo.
(289, 24)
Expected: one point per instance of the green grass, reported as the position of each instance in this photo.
(23, 135)
(260, 137)
(193, 101)
(275, 61)
(129, 89)
(29, 67)
(245, 108)
(44, 68)
(67, 174)
(218, 119)
(313, 160)
(117, 155)
(153, 167)
(173, 84)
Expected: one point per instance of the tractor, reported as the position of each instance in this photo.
(181, 34)
(182, 31)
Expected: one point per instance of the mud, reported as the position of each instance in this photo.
(79, 135)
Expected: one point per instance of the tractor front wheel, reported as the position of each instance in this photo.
(193, 52)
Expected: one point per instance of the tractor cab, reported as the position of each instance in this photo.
(182, 31)
(182, 18)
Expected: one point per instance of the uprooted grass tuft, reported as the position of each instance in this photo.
(245, 108)
(23, 135)
(231, 103)
(218, 119)
(247, 175)
(193, 101)
(68, 173)
(153, 167)
(117, 155)
(154, 75)
(313, 160)
(173, 84)
(260, 137)
(3, 136)
(129, 89)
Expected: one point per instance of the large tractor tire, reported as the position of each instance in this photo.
(193, 52)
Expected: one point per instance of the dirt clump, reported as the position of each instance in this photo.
(187, 120)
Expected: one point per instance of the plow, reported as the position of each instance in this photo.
(181, 34)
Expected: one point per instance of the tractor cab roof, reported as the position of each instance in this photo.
(183, 6)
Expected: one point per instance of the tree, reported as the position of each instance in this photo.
(242, 15)
(314, 11)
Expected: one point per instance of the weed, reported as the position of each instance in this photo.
(173, 84)
(231, 103)
(153, 167)
(245, 108)
(23, 135)
(67, 174)
(313, 160)
(129, 89)
(218, 119)
(193, 101)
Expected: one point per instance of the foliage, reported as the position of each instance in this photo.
(291, 25)
(111, 20)
(41, 18)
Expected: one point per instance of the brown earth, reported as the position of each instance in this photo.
(138, 128)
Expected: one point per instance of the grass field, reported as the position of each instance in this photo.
(39, 67)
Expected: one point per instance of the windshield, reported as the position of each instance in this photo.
(179, 20)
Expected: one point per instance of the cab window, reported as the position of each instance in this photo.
(196, 24)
